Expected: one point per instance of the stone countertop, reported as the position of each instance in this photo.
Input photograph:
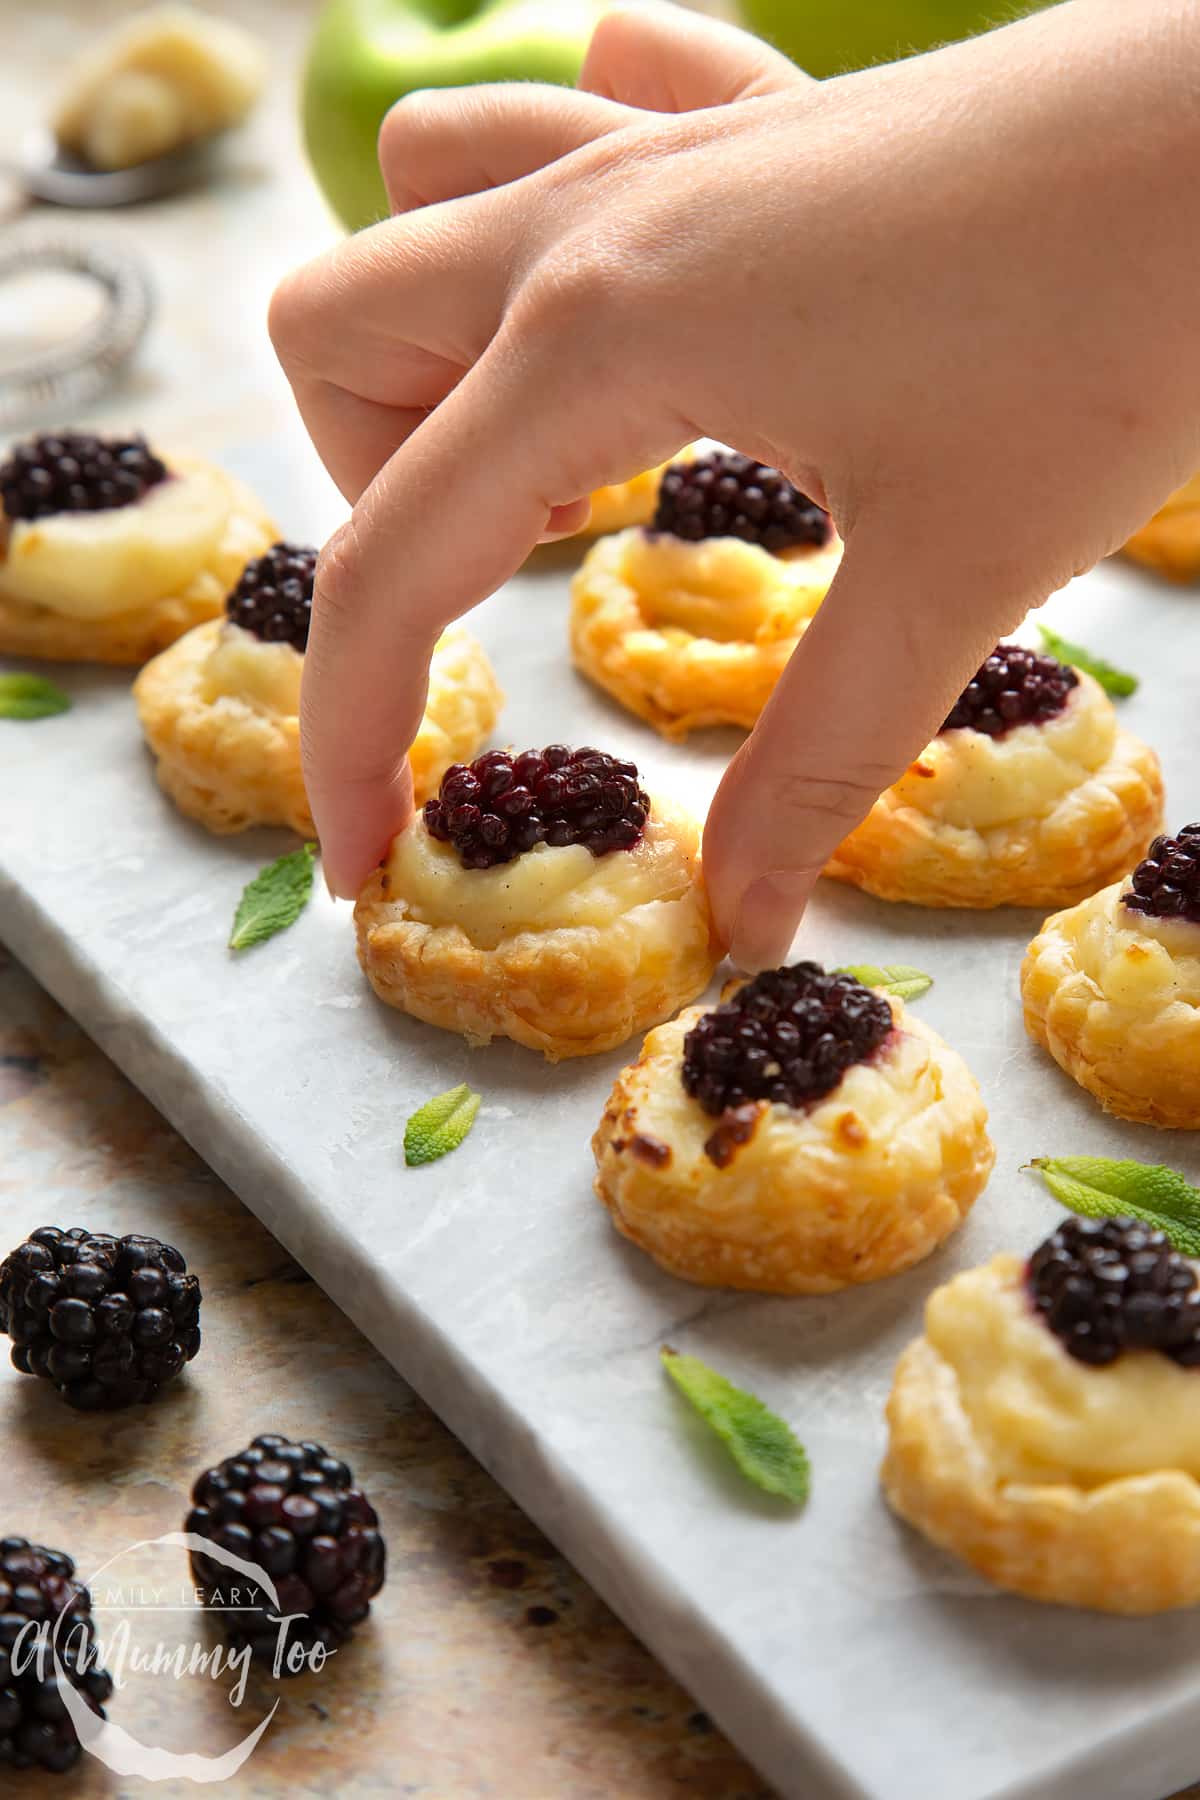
(489, 1668)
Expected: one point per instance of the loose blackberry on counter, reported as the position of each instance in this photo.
(294, 1510)
(806, 1134)
(38, 1586)
(109, 1321)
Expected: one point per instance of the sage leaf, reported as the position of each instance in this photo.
(440, 1125)
(1114, 681)
(1102, 1189)
(274, 899)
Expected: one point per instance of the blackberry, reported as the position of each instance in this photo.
(506, 802)
(1167, 884)
(1015, 686)
(108, 1320)
(1107, 1285)
(76, 472)
(294, 1510)
(789, 1035)
(725, 494)
(273, 597)
(38, 1586)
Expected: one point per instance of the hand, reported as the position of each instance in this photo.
(933, 293)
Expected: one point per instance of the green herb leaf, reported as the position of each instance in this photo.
(31, 697)
(764, 1448)
(274, 899)
(440, 1125)
(1101, 1189)
(894, 978)
(1114, 681)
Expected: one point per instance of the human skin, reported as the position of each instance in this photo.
(952, 298)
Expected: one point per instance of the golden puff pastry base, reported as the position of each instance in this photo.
(232, 764)
(565, 990)
(1170, 542)
(678, 679)
(1128, 1545)
(861, 1185)
(1087, 833)
(1115, 998)
(625, 503)
(131, 638)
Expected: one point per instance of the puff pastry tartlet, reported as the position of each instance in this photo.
(1170, 541)
(1045, 1427)
(542, 897)
(1111, 988)
(806, 1134)
(1031, 795)
(691, 620)
(625, 503)
(109, 552)
(221, 708)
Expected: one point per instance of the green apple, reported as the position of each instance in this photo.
(365, 54)
(827, 37)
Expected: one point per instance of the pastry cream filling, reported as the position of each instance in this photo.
(724, 589)
(1134, 960)
(1042, 1415)
(547, 889)
(242, 666)
(970, 780)
(98, 564)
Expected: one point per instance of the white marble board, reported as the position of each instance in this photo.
(843, 1655)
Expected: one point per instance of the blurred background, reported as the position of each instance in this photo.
(161, 165)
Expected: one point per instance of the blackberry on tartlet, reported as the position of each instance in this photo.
(505, 803)
(721, 493)
(45, 1616)
(806, 1134)
(542, 895)
(690, 619)
(787, 1035)
(273, 595)
(110, 550)
(108, 1321)
(1166, 885)
(1014, 686)
(293, 1510)
(1111, 988)
(1031, 794)
(1108, 1285)
(76, 472)
(1043, 1426)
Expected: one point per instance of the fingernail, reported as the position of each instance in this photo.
(768, 915)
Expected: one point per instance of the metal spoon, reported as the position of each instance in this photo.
(48, 172)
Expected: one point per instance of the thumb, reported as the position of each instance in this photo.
(868, 686)
(664, 58)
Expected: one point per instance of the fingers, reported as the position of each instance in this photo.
(866, 689)
(379, 330)
(446, 142)
(662, 58)
(452, 515)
